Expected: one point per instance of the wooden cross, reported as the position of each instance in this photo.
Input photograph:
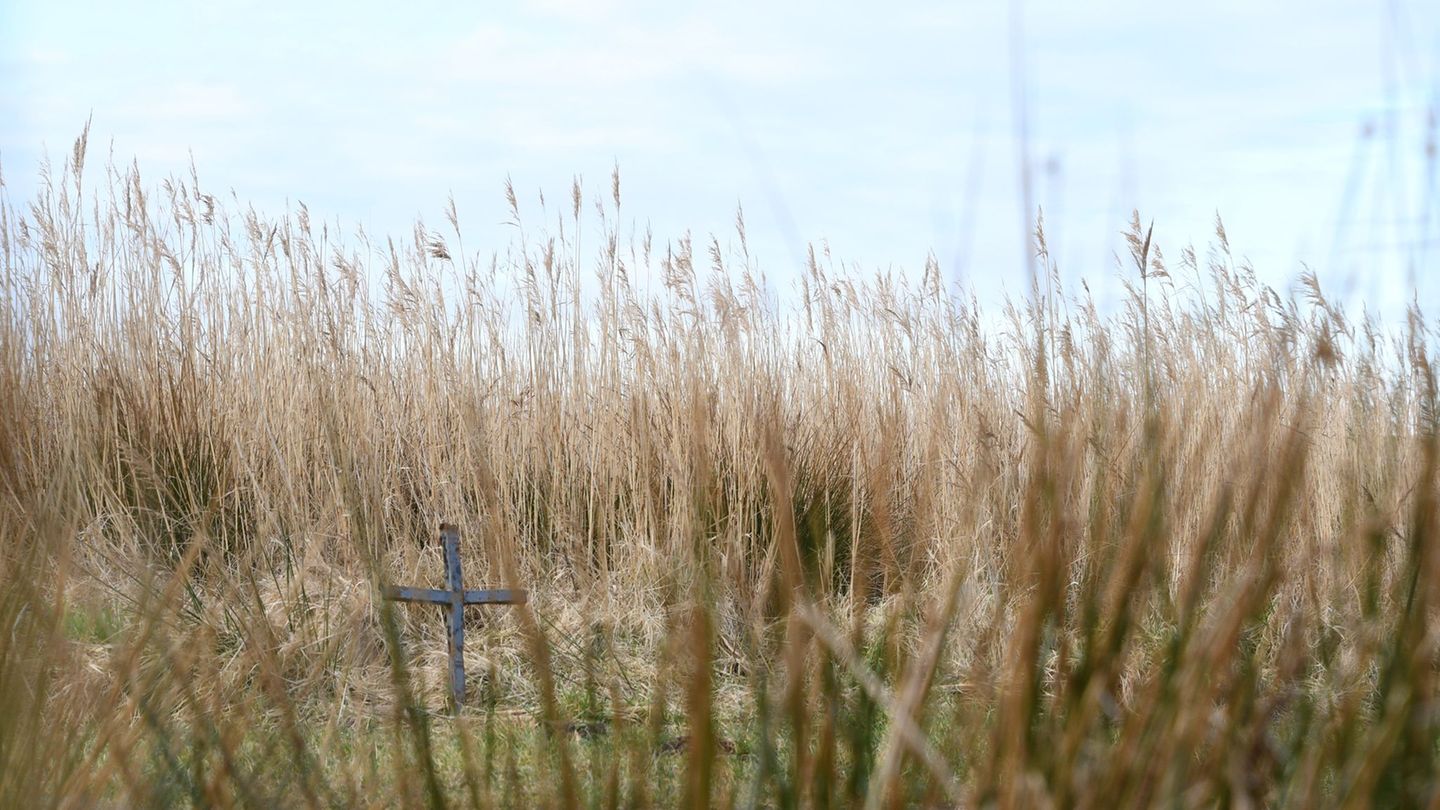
(455, 597)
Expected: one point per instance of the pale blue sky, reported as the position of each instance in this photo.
(887, 130)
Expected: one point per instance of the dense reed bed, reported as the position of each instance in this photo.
(859, 542)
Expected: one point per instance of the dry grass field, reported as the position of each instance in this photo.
(866, 543)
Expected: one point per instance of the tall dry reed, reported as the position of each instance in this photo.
(865, 542)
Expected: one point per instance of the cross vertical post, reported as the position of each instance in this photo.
(454, 598)
(455, 619)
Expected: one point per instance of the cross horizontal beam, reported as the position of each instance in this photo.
(492, 596)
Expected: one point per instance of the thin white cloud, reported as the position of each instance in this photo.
(576, 10)
(512, 60)
(45, 57)
(191, 100)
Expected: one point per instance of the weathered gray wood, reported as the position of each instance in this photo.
(489, 596)
(455, 598)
